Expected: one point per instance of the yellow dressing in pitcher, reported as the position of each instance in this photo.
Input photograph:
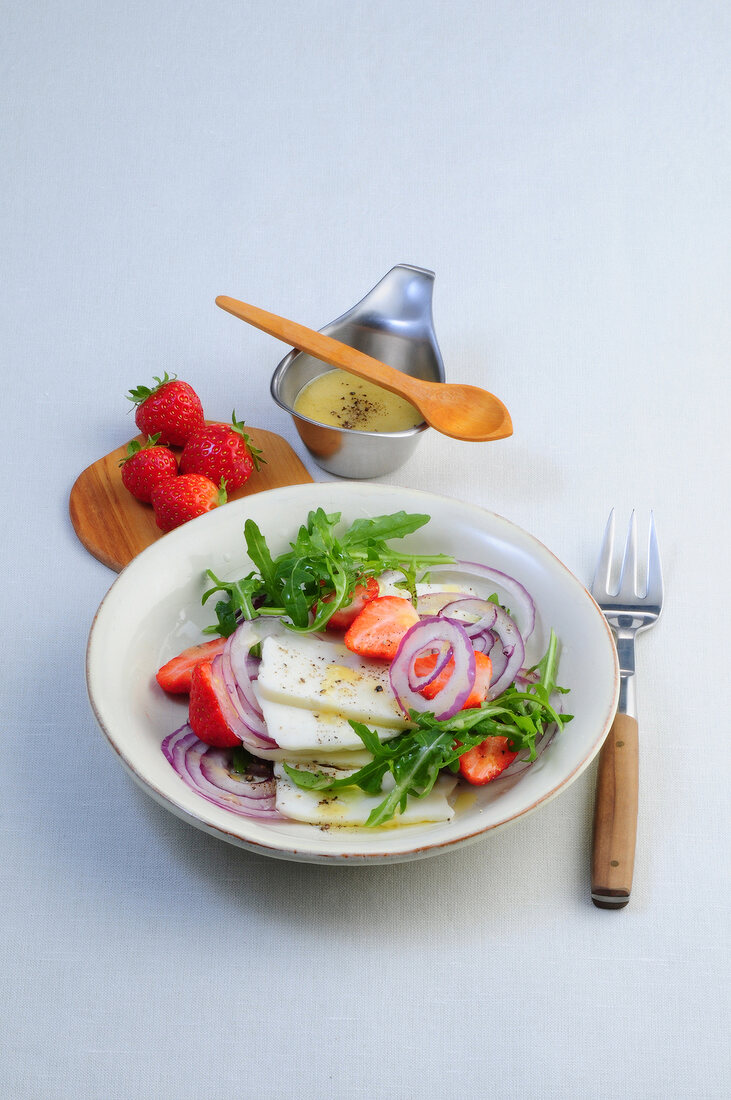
(344, 401)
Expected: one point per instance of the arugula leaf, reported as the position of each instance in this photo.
(319, 572)
(241, 760)
(258, 551)
(416, 757)
(320, 528)
(293, 594)
(381, 528)
(409, 582)
(238, 606)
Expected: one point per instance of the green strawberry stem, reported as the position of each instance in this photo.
(140, 393)
(134, 447)
(255, 452)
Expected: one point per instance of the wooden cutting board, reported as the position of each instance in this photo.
(115, 527)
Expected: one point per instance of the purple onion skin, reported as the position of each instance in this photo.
(507, 653)
(238, 646)
(431, 633)
(510, 639)
(482, 623)
(248, 799)
(518, 595)
(252, 728)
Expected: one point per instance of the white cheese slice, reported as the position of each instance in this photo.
(349, 760)
(298, 729)
(326, 677)
(351, 806)
(387, 587)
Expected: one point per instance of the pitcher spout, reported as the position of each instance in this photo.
(403, 297)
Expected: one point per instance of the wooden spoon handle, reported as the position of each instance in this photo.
(325, 348)
(615, 816)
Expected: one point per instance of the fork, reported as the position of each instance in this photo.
(615, 811)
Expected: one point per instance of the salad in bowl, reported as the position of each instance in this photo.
(351, 672)
(355, 684)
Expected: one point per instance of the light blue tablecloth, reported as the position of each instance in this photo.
(563, 167)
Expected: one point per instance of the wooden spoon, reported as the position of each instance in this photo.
(463, 412)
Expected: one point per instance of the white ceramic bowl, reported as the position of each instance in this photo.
(153, 610)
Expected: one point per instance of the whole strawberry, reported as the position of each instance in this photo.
(172, 409)
(179, 499)
(222, 451)
(145, 466)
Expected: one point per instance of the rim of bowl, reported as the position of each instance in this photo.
(281, 369)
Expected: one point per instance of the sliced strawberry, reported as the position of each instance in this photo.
(205, 714)
(486, 761)
(483, 674)
(381, 625)
(362, 595)
(175, 676)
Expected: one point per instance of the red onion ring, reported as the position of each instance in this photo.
(519, 600)
(513, 650)
(246, 725)
(224, 699)
(485, 610)
(243, 638)
(506, 664)
(242, 796)
(430, 634)
(484, 642)
(216, 767)
(499, 659)
(225, 695)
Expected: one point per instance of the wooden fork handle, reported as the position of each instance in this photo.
(615, 816)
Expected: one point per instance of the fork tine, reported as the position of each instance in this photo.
(603, 572)
(654, 591)
(628, 576)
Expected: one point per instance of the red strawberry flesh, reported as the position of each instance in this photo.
(486, 761)
(362, 595)
(205, 713)
(380, 626)
(175, 676)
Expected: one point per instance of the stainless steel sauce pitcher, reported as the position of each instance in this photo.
(392, 323)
